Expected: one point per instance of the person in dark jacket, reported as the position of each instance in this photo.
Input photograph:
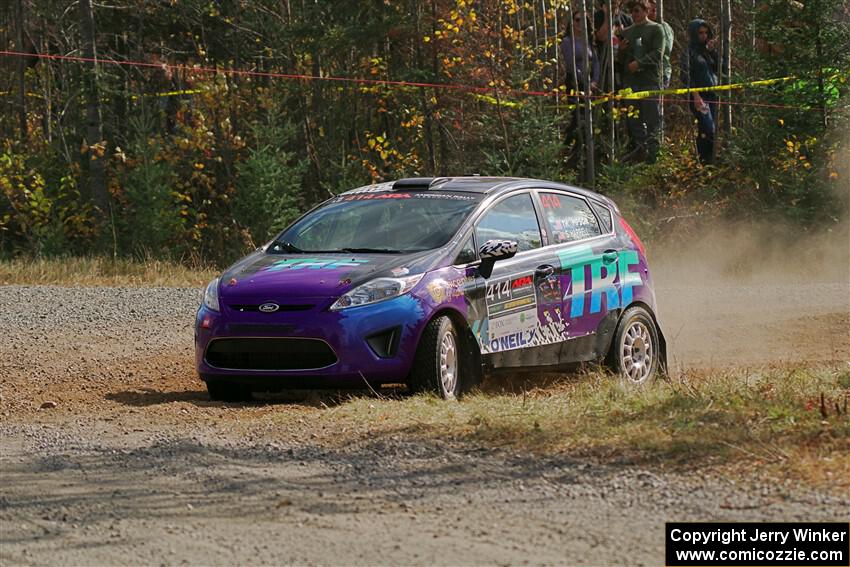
(573, 49)
(619, 21)
(699, 69)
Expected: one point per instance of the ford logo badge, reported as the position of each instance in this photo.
(269, 307)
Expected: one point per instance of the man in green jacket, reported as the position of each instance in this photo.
(641, 55)
(667, 68)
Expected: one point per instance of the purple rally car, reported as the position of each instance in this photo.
(433, 282)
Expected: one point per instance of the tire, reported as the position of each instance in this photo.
(222, 391)
(437, 365)
(634, 351)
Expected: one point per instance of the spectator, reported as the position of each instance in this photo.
(641, 54)
(573, 49)
(667, 69)
(620, 21)
(699, 69)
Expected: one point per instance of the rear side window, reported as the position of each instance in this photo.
(511, 219)
(568, 218)
(604, 215)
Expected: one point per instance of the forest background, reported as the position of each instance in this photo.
(181, 159)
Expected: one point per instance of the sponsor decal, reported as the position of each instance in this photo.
(374, 196)
(522, 282)
(549, 290)
(602, 282)
(441, 290)
(314, 264)
(445, 196)
(511, 312)
(437, 290)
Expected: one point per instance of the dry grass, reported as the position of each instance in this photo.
(769, 420)
(100, 271)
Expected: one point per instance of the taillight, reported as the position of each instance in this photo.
(633, 235)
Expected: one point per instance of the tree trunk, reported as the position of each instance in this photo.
(821, 86)
(423, 94)
(726, 61)
(660, 16)
(94, 117)
(590, 165)
(609, 70)
(22, 67)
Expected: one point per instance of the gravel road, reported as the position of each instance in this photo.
(135, 465)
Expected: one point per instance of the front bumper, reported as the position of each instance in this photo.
(373, 342)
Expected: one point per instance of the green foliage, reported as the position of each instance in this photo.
(268, 195)
(151, 222)
(40, 215)
(203, 165)
(525, 142)
(787, 158)
(27, 209)
(675, 187)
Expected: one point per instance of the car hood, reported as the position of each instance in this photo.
(274, 277)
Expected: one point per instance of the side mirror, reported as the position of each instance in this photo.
(494, 250)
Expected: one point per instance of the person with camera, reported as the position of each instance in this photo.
(619, 21)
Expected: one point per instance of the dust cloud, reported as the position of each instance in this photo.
(753, 295)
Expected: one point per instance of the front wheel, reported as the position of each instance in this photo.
(635, 349)
(436, 367)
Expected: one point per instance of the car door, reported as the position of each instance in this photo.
(588, 259)
(510, 331)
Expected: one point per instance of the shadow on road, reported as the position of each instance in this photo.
(144, 397)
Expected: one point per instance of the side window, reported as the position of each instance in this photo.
(512, 219)
(568, 218)
(604, 215)
(467, 252)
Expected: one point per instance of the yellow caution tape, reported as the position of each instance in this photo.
(171, 93)
(627, 94)
(498, 102)
(624, 94)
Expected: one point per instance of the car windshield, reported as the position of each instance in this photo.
(380, 222)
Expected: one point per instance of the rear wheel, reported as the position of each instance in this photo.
(224, 391)
(635, 349)
(437, 365)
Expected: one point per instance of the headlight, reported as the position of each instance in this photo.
(376, 290)
(211, 296)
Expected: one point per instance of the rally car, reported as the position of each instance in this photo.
(433, 282)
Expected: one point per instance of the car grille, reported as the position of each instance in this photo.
(269, 354)
(256, 307)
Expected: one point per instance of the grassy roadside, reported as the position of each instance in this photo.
(101, 271)
(769, 421)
